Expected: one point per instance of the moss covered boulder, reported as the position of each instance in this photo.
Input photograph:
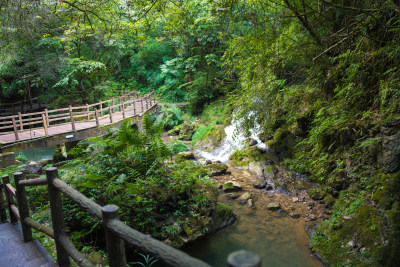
(182, 156)
(211, 139)
(214, 169)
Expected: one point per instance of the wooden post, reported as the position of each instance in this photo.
(72, 118)
(115, 244)
(46, 132)
(110, 113)
(15, 129)
(21, 127)
(101, 109)
(9, 199)
(96, 116)
(147, 102)
(141, 101)
(23, 207)
(154, 96)
(123, 111)
(87, 110)
(112, 103)
(57, 216)
(46, 112)
(134, 107)
(3, 203)
(243, 258)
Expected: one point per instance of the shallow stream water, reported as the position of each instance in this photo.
(279, 239)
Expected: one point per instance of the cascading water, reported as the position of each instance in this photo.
(234, 140)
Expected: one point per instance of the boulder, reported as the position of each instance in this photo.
(215, 169)
(257, 169)
(251, 142)
(244, 198)
(273, 206)
(232, 186)
(184, 156)
(260, 184)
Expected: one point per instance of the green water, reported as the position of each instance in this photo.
(280, 240)
(39, 154)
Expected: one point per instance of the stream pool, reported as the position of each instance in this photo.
(280, 240)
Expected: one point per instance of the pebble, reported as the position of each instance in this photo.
(295, 215)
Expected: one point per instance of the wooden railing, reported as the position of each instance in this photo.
(121, 104)
(116, 232)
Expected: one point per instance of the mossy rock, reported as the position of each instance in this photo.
(223, 217)
(210, 140)
(329, 200)
(214, 169)
(182, 156)
(365, 228)
(282, 140)
(388, 190)
(176, 130)
(317, 193)
(244, 156)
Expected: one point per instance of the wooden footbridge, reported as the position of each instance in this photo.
(51, 127)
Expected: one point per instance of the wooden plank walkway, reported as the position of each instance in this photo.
(124, 109)
(15, 253)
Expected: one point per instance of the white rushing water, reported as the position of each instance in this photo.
(234, 140)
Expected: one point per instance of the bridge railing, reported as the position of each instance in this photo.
(116, 232)
(72, 115)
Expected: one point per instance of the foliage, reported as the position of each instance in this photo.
(178, 146)
(170, 116)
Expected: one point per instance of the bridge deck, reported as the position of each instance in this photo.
(15, 253)
(28, 134)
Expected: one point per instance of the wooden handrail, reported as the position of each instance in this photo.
(115, 230)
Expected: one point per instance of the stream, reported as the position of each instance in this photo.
(279, 239)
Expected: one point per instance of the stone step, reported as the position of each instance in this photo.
(15, 253)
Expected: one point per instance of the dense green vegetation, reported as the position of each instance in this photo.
(321, 77)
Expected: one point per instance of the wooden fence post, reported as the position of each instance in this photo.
(21, 127)
(243, 258)
(96, 116)
(147, 102)
(134, 107)
(112, 103)
(15, 129)
(87, 110)
(23, 207)
(123, 111)
(110, 113)
(9, 199)
(3, 203)
(46, 113)
(72, 118)
(46, 132)
(57, 216)
(141, 101)
(101, 109)
(115, 244)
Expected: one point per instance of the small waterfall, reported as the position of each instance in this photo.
(234, 140)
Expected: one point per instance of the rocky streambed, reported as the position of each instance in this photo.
(274, 212)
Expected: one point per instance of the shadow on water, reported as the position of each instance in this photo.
(279, 240)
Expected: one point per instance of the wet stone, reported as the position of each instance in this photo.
(273, 206)
(295, 215)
